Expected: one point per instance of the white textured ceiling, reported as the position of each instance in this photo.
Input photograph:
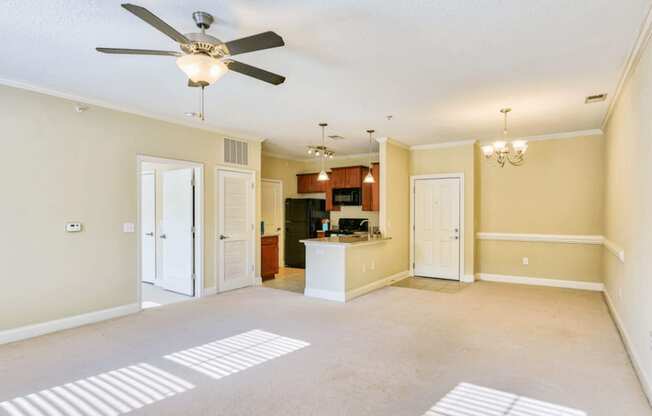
(442, 68)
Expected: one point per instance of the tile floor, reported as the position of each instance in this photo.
(154, 296)
(288, 278)
(435, 285)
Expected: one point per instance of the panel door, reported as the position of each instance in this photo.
(177, 234)
(235, 230)
(437, 228)
(148, 227)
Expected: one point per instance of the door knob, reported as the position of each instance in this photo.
(163, 236)
(149, 234)
(223, 237)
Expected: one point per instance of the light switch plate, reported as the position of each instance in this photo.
(526, 261)
(73, 227)
(128, 227)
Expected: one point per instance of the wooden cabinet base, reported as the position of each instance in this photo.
(268, 257)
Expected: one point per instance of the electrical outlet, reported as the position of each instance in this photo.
(373, 265)
(526, 261)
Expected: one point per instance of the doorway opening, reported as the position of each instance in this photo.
(170, 231)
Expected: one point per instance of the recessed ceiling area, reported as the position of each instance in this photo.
(442, 68)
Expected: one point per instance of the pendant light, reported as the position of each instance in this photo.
(323, 176)
(370, 176)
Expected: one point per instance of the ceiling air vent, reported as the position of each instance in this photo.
(235, 152)
(335, 137)
(595, 98)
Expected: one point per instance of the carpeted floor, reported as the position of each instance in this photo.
(396, 351)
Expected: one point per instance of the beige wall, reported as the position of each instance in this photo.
(628, 213)
(558, 190)
(61, 166)
(459, 159)
(395, 206)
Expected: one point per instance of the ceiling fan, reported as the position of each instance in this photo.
(205, 58)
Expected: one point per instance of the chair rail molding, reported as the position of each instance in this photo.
(544, 238)
(614, 249)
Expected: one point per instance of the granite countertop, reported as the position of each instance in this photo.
(345, 240)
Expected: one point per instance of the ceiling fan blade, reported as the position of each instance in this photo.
(153, 20)
(123, 51)
(254, 72)
(257, 42)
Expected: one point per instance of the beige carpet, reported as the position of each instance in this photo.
(397, 351)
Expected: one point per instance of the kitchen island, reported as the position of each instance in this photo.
(342, 268)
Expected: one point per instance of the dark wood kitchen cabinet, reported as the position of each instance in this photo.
(268, 256)
(371, 191)
(307, 183)
(347, 177)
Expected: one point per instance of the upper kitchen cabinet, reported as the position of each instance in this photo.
(347, 177)
(371, 191)
(307, 183)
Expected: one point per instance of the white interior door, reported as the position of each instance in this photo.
(437, 228)
(272, 206)
(235, 230)
(148, 227)
(177, 231)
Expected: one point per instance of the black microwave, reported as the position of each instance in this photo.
(348, 196)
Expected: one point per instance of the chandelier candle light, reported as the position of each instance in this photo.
(370, 176)
(501, 148)
(323, 176)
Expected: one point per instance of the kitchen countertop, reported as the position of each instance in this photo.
(345, 241)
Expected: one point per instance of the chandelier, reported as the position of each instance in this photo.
(512, 152)
(317, 151)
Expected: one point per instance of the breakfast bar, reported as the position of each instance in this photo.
(341, 268)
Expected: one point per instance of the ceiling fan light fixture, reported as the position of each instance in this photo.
(202, 68)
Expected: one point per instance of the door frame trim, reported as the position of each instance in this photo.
(281, 243)
(413, 180)
(253, 246)
(199, 219)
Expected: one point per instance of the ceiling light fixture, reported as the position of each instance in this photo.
(202, 69)
(323, 176)
(501, 148)
(370, 176)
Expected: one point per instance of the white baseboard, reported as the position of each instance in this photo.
(467, 278)
(646, 382)
(258, 281)
(389, 280)
(325, 294)
(208, 291)
(30, 331)
(540, 281)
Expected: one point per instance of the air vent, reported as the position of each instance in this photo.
(595, 98)
(336, 137)
(235, 152)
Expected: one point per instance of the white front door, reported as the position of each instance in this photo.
(235, 229)
(177, 231)
(437, 228)
(148, 227)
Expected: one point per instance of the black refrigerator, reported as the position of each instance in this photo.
(302, 220)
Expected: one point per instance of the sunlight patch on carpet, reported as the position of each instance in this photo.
(108, 394)
(227, 356)
(470, 400)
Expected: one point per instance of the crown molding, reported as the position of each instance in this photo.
(635, 55)
(443, 145)
(555, 136)
(388, 140)
(312, 159)
(77, 99)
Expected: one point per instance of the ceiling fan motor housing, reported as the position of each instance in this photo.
(203, 43)
(203, 20)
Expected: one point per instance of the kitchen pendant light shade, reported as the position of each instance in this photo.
(201, 68)
(369, 178)
(323, 176)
